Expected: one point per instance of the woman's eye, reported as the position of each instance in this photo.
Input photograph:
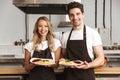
(46, 26)
(39, 26)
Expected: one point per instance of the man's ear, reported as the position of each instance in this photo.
(83, 15)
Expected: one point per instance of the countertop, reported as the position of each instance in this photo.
(107, 70)
(21, 70)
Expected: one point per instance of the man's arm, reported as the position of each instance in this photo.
(98, 61)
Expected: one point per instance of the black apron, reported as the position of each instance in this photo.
(77, 50)
(42, 72)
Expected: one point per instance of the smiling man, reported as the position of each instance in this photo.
(81, 43)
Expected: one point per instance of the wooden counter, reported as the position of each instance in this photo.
(13, 71)
(21, 71)
(107, 70)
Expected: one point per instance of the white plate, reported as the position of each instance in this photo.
(42, 61)
(71, 63)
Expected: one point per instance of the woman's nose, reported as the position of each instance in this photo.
(43, 28)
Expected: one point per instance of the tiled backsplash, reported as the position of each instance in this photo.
(16, 51)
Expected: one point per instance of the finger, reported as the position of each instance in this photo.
(72, 67)
(87, 64)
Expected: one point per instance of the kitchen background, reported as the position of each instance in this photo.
(13, 24)
(16, 28)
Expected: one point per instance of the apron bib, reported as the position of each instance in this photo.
(77, 50)
(42, 72)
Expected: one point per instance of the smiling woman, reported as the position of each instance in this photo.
(43, 52)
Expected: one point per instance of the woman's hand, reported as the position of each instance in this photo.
(53, 65)
(62, 59)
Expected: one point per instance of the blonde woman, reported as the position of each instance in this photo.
(43, 45)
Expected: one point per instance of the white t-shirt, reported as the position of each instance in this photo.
(42, 46)
(92, 36)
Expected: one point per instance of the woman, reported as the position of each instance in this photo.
(43, 45)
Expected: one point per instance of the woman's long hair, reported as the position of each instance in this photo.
(37, 37)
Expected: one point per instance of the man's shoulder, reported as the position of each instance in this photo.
(29, 43)
(91, 29)
(66, 33)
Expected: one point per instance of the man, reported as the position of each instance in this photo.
(81, 43)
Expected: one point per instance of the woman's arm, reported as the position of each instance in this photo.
(28, 66)
(63, 52)
(57, 56)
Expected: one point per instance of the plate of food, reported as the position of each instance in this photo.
(42, 61)
(67, 62)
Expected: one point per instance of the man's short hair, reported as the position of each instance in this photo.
(74, 4)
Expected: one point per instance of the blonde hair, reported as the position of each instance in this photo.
(37, 37)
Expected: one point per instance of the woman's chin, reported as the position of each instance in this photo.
(43, 35)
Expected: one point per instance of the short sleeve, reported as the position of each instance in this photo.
(96, 39)
(29, 46)
(57, 43)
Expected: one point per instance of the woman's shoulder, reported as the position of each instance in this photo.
(56, 40)
(28, 44)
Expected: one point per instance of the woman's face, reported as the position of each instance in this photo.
(42, 28)
(76, 16)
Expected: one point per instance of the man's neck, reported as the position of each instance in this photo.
(78, 27)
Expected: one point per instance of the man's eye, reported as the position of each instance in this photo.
(71, 15)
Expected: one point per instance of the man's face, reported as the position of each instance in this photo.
(76, 16)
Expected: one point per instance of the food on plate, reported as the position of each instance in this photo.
(45, 62)
(77, 61)
(41, 61)
(36, 60)
(67, 62)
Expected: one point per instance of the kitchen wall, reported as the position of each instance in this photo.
(12, 23)
(112, 17)
(12, 20)
(116, 21)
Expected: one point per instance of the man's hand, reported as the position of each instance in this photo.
(83, 66)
